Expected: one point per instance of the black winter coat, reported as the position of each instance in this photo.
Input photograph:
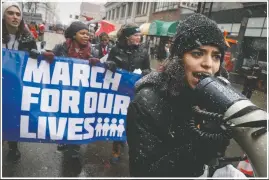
(60, 50)
(26, 42)
(97, 50)
(160, 143)
(130, 58)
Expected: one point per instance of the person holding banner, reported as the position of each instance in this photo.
(127, 54)
(16, 36)
(77, 45)
(160, 142)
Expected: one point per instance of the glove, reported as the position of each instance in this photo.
(34, 53)
(94, 61)
(210, 149)
(111, 65)
(49, 56)
(145, 72)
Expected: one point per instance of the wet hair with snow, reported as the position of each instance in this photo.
(195, 31)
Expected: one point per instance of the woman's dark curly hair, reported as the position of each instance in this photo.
(5, 35)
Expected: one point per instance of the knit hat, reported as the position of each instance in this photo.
(127, 32)
(7, 5)
(74, 28)
(195, 31)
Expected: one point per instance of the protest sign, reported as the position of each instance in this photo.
(67, 101)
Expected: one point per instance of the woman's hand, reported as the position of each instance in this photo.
(49, 56)
(93, 61)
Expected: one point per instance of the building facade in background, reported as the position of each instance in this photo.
(146, 12)
(40, 11)
(247, 23)
(128, 12)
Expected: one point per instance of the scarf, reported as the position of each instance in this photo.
(104, 50)
(77, 51)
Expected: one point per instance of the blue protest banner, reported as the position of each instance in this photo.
(67, 101)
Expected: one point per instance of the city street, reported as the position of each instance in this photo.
(43, 160)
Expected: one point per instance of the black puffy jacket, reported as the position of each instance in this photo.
(160, 142)
(130, 58)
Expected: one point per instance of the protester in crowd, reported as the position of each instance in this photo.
(151, 47)
(16, 36)
(41, 32)
(251, 80)
(167, 48)
(161, 53)
(91, 39)
(159, 139)
(104, 47)
(129, 55)
(77, 45)
(33, 29)
(59, 28)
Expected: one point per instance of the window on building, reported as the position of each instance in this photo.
(154, 6)
(146, 6)
(70, 16)
(139, 8)
(143, 7)
(162, 6)
(118, 12)
(130, 9)
(77, 16)
(123, 9)
(113, 14)
(109, 15)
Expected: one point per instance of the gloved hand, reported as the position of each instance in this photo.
(34, 53)
(94, 61)
(49, 56)
(110, 65)
(145, 72)
(210, 149)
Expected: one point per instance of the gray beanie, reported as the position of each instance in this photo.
(7, 5)
(195, 31)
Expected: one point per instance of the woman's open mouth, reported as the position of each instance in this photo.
(200, 75)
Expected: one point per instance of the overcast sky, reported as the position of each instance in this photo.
(67, 8)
